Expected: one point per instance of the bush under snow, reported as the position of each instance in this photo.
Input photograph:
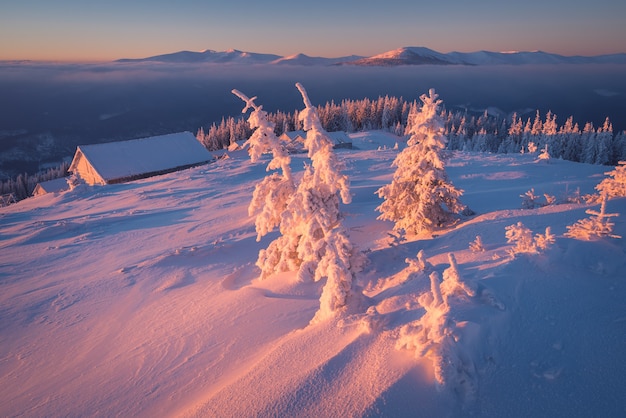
(524, 241)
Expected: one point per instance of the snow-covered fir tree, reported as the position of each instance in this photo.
(598, 225)
(619, 147)
(420, 197)
(589, 146)
(272, 194)
(485, 133)
(569, 137)
(615, 184)
(604, 146)
(314, 241)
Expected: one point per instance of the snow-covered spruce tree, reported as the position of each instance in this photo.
(595, 226)
(314, 241)
(615, 184)
(272, 194)
(420, 197)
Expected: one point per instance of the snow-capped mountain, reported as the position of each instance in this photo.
(302, 59)
(422, 55)
(400, 56)
(406, 56)
(230, 56)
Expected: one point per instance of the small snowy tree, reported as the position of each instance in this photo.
(272, 194)
(477, 246)
(544, 156)
(550, 200)
(530, 200)
(615, 184)
(420, 196)
(596, 226)
(543, 242)
(431, 335)
(453, 284)
(419, 264)
(524, 241)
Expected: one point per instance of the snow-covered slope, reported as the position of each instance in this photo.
(142, 299)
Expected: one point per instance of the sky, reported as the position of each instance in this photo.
(88, 30)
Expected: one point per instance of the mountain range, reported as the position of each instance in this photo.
(396, 57)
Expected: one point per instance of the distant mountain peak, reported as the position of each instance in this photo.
(405, 56)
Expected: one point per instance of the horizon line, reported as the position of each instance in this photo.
(109, 60)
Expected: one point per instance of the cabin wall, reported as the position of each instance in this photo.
(87, 173)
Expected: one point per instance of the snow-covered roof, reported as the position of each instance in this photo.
(51, 186)
(292, 135)
(339, 137)
(115, 162)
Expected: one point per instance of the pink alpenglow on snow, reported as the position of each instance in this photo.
(143, 299)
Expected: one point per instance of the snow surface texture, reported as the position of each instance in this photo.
(143, 299)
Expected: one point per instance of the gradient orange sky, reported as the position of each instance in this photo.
(75, 30)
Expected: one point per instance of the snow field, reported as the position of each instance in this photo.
(143, 299)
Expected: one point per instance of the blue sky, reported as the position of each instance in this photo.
(106, 30)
